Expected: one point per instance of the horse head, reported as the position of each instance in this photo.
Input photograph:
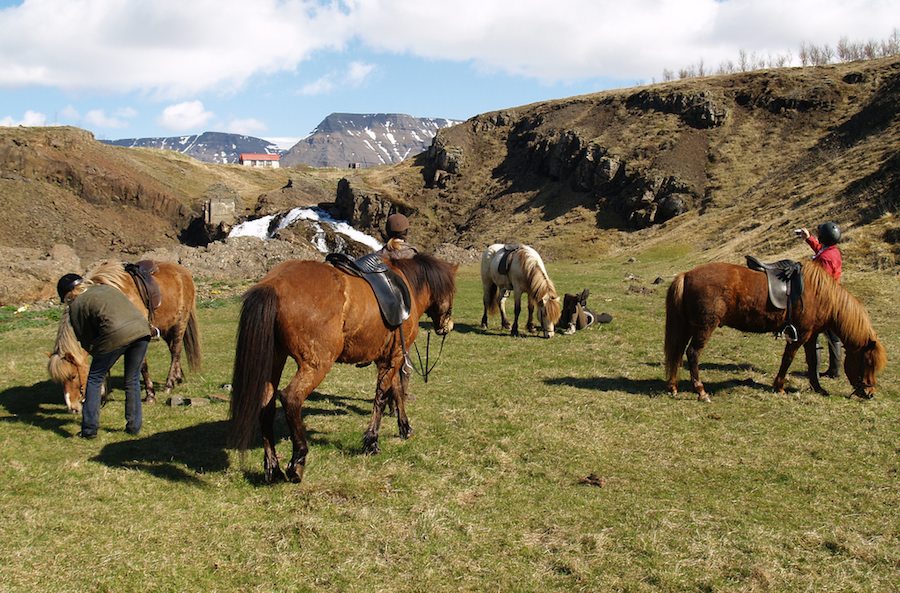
(549, 312)
(862, 365)
(72, 373)
(440, 311)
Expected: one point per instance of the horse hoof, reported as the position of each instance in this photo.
(405, 431)
(704, 397)
(150, 399)
(274, 475)
(370, 445)
(294, 474)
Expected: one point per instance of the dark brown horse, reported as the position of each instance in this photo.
(317, 315)
(176, 318)
(717, 294)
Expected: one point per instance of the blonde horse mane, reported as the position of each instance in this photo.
(110, 272)
(67, 353)
(60, 366)
(852, 323)
(539, 283)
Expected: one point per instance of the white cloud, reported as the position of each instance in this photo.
(322, 86)
(356, 74)
(284, 142)
(187, 116)
(168, 48)
(69, 113)
(571, 39)
(98, 118)
(31, 118)
(176, 49)
(248, 127)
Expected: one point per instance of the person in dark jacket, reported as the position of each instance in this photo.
(108, 326)
(829, 257)
(397, 231)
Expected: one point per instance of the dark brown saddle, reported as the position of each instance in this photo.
(142, 273)
(390, 290)
(784, 280)
(504, 263)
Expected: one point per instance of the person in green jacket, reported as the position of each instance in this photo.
(108, 326)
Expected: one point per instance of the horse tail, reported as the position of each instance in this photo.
(676, 328)
(192, 340)
(492, 294)
(254, 357)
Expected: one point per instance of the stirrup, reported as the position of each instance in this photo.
(790, 333)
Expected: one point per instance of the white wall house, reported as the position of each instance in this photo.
(249, 159)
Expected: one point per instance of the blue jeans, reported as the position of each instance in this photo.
(100, 365)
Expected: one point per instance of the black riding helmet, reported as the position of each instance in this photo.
(829, 233)
(397, 225)
(66, 284)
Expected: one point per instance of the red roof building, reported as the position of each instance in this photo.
(249, 159)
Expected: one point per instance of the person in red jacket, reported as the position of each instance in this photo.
(829, 257)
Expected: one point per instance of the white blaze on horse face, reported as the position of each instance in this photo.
(546, 325)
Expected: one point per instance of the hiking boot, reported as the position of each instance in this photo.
(87, 435)
(830, 373)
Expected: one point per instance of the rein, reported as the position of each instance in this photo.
(426, 370)
(423, 370)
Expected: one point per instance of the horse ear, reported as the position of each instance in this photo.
(870, 346)
(70, 357)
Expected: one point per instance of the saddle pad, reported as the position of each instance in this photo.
(389, 288)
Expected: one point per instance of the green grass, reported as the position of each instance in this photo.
(754, 492)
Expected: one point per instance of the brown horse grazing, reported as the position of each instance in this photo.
(717, 294)
(176, 318)
(317, 315)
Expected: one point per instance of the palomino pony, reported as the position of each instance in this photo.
(176, 318)
(318, 315)
(526, 273)
(717, 294)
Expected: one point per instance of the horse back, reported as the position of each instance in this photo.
(728, 294)
(325, 313)
(176, 286)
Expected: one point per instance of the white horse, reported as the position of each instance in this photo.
(524, 272)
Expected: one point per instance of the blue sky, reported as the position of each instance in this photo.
(275, 68)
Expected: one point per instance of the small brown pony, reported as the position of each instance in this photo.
(176, 318)
(317, 315)
(526, 274)
(717, 294)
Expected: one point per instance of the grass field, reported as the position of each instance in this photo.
(536, 465)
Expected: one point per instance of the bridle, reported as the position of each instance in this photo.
(423, 370)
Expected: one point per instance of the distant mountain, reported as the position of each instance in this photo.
(365, 139)
(209, 147)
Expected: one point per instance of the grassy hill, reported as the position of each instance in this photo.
(749, 156)
(720, 166)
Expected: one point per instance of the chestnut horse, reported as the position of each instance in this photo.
(717, 294)
(176, 318)
(526, 274)
(317, 315)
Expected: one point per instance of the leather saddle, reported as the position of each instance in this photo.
(784, 279)
(504, 263)
(142, 273)
(390, 290)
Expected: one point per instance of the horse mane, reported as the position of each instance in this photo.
(59, 367)
(852, 323)
(110, 272)
(426, 271)
(539, 283)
